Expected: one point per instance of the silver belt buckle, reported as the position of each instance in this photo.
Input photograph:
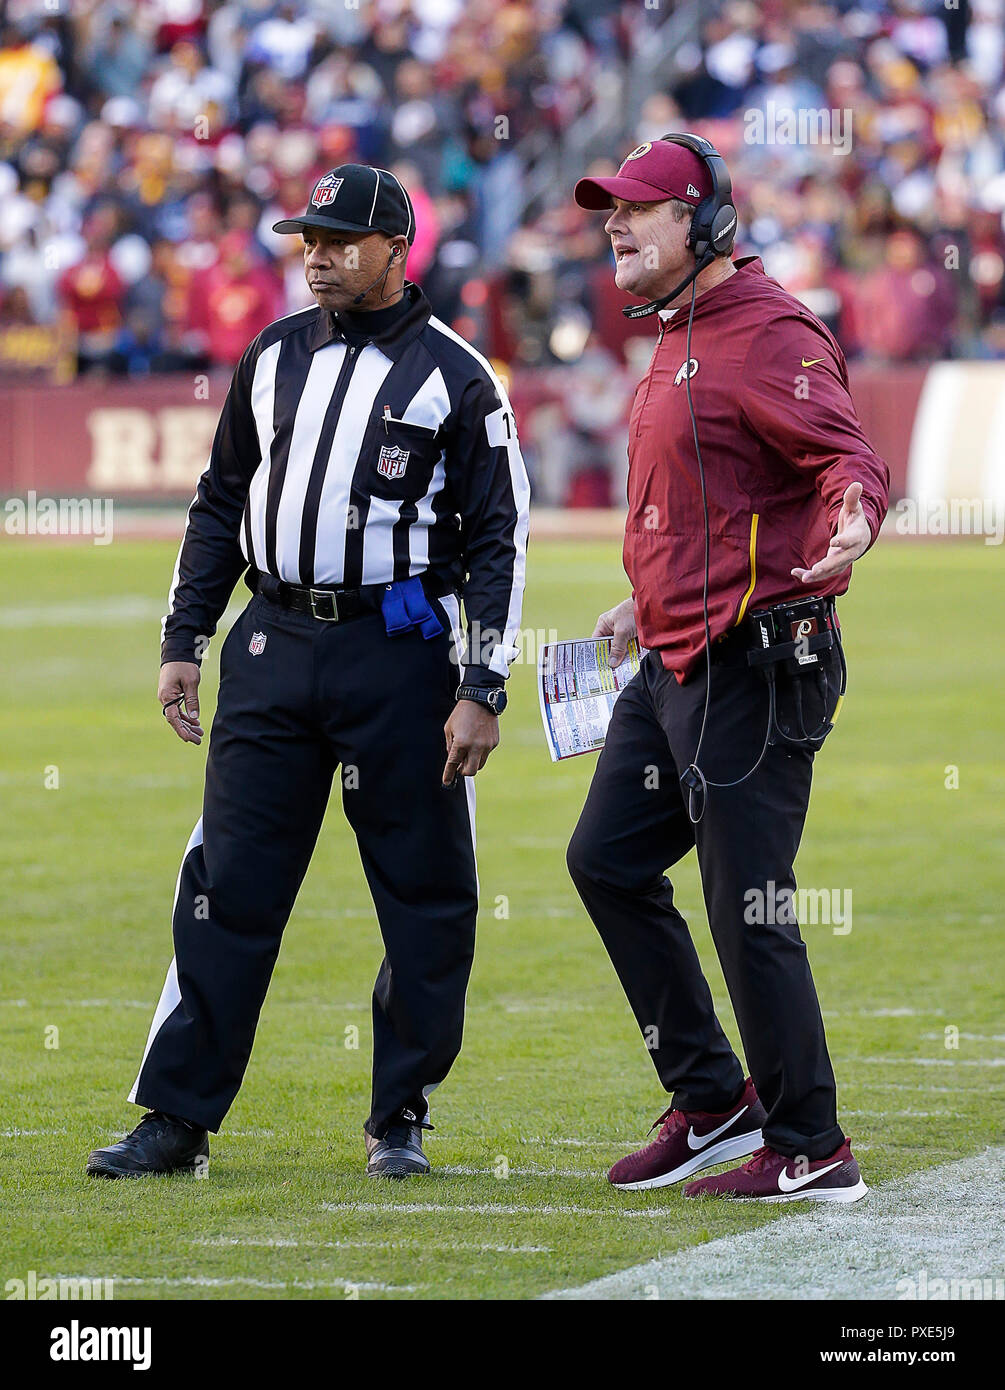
(324, 596)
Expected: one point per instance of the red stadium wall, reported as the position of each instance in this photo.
(149, 441)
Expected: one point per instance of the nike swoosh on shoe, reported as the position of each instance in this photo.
(696, 1142)
(787, 1184)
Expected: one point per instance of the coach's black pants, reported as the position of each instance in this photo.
(319, 696)
(635, 824)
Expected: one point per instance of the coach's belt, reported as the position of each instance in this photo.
(335, 605)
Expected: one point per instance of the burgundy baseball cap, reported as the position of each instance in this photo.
(652, 173)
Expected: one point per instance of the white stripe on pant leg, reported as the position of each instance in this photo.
(469, 792)
(171, 993)
(453, 611)
(427, 1091)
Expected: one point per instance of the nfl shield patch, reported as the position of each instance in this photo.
(393, 461)
(326, 191)
(257, 644)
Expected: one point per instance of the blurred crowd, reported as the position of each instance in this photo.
(146, 148)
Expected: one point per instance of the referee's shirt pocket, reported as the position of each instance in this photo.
(402, 461)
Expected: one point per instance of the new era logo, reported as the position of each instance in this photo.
(692, 192)
(326, 190)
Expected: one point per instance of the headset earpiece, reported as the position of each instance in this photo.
(713, 223)
(723, 230)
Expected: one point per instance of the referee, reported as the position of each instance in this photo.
(751, 488)
(365, 473)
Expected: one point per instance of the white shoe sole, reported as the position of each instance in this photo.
(739, 1146)
(823, 1194)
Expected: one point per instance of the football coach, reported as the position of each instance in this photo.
(751, 492)
(365, 473)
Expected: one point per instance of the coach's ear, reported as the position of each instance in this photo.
(397, 248)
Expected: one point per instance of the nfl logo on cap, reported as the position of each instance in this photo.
(393, 461)
(326, 190)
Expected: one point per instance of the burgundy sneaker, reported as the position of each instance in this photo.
(773, 1177)
(691, 1140)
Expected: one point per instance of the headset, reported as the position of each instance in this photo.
(711, 233)
(713, 223)
(382, 276)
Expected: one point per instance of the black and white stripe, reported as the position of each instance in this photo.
(292, 487)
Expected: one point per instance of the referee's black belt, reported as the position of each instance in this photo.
(337, 604)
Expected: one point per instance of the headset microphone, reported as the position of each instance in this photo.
(382, 276)
(641, 311)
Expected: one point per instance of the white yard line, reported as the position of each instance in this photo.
(921, 1061)
(946, 1221)
(578, 1143)
(529, 1208)
(461, 1170)
(97, 612)
(201, 1282)
(407, 1247)
(28, 1133)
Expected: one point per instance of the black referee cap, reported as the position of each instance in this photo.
(357, 198)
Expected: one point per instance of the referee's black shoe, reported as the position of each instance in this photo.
(159, 1144)
(398, 1154)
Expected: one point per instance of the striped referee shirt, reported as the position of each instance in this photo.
(339, 462)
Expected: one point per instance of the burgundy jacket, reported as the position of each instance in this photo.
(780, 442)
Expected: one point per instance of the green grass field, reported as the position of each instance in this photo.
(553, 1082)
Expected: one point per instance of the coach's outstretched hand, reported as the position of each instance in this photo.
(471, 732)
(178, 692)
(618, 624)
(851, 539)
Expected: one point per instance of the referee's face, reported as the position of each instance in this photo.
(650, 251)
(341, 265)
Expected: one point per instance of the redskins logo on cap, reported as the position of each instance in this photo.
(639, 151)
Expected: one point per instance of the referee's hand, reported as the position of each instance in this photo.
(178, 692)
(471, 732)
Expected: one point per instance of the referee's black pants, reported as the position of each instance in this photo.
(636, 823)
(318, 697)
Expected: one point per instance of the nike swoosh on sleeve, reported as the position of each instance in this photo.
(816, 361)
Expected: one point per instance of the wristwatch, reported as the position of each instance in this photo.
(492, 697)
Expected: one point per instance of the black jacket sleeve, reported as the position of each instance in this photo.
(210, 560)
(487, 476)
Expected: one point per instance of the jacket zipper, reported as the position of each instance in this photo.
(342, 380)
(752, 570)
